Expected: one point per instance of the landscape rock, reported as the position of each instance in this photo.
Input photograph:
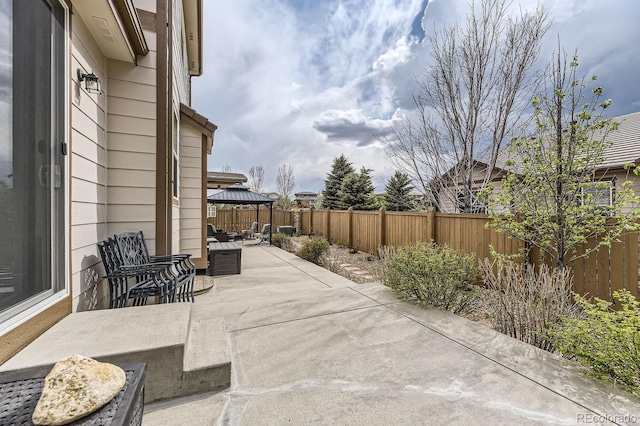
(75, 387)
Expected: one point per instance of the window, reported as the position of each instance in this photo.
(476, 206)
(599, 193)
(32, 165)
(175, 153)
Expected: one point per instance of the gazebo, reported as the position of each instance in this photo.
(240, 194)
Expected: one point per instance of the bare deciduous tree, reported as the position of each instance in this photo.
(285, 182)
(256, 178)
(226, 168)
(468, 102)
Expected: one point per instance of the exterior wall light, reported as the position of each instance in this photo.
(92, 83)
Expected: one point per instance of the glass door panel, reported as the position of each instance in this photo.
(31, 130)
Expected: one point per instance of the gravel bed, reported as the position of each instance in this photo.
(359, 267)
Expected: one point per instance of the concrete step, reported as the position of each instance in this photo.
(157, 335)
(207, 357)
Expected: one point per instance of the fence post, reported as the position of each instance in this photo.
(350, 228)
(311, 221)
(327, 225)
(382, 227)
(431, 224)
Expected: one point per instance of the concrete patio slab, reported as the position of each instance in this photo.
(374, 355)
(305, 346)
(277, 309)
(376, 291)
(356, 355)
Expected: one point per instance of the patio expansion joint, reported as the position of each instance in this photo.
(360, 308)
(470, 348)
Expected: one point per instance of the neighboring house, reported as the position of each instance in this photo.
(624, 149)
(305, 199)
(222, 180)
(79, 163)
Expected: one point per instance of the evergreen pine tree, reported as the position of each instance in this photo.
(396, 196)
(358, 191)
(340, 169)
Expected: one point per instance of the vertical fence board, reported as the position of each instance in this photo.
(590, 262)
(617, 260)
(579, 285)
(602, 272)
(631, 263)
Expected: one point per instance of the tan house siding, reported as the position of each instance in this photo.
(448, 197)
(175, 230)
(180, 95)
(88, 171)
(191, 194)
(131, 154)
(620, 177)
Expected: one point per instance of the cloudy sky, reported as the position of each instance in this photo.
(300, 82)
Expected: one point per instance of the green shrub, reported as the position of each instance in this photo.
(608, 341)
(433, 275)
(523, 303)
(313, 249)
(281, 240)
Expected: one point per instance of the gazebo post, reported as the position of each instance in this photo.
(258, 215)
(270, 221)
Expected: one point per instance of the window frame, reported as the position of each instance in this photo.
(476, 207)
(175, 157)
(593, 184)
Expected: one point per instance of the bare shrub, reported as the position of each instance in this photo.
(331, 264)
(524, 304)
(314, 250)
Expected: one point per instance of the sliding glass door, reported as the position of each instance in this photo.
(32, 123)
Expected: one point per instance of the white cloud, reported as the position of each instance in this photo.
(300, 82)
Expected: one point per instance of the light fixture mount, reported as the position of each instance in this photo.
(92, 83)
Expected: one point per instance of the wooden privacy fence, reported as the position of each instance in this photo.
(599, 275)
(235, 220)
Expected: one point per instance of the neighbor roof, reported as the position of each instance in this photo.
(625, 142)
(624, 149)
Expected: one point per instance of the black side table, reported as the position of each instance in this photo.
(20, 391)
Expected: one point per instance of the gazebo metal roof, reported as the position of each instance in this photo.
(240, 194)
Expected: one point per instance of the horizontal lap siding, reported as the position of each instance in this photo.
(131, 134)
(191, 197)
(88, 178)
